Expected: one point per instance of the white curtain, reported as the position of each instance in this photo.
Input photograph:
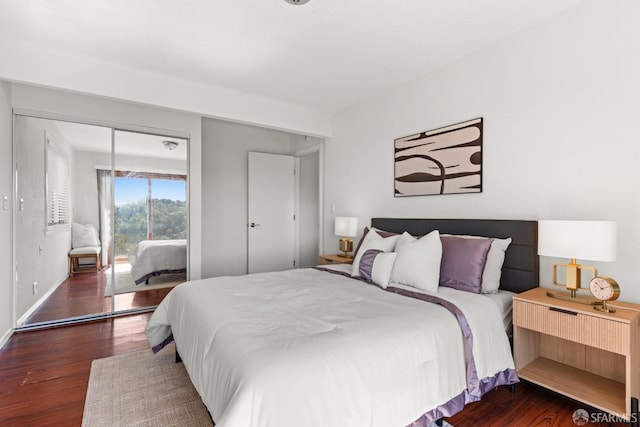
(105, 208)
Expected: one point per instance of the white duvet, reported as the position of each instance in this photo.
(310, 348)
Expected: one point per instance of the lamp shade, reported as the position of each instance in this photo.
(346, 226)
(586, 240)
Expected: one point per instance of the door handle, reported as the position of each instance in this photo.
(253, 224)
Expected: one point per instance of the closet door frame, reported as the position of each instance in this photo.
(114, 127)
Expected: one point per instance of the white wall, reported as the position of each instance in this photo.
(134, 116)
(560, 102)
(27, 63)
(41, 257)
(303, 143)
(301, 146)
(84, 186)
(150, 164)
(224, 190)
(6, 232)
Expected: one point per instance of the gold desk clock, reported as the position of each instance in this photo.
(605, 289)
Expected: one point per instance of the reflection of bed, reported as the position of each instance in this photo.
(152, 258)
(315, 348)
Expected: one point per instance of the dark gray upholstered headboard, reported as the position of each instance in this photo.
(520, 268)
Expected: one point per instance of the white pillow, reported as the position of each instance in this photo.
(418, 261)
(493, 267)
(376, 267)
(372, 241)
(83, 235)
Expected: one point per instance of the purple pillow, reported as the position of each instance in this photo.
(376, 267)
(366, 264)
(463, 262)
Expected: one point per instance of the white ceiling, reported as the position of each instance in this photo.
(98, 139)
(324, 55)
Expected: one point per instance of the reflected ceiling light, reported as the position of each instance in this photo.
(170, 145)
(297, 2)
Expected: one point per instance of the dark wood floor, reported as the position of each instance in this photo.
(83, 295)
(44, 376)
(530, 405)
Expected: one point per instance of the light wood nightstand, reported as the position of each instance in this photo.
(334, 259)
(579, 352)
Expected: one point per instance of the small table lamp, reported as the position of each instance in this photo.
(346, 226)
(590, 240)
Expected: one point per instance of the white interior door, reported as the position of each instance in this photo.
(271, 225)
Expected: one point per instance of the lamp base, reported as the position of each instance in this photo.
(346, 246)
(568, 297)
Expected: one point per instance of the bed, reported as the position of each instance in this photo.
(152, 258)
(317, 347)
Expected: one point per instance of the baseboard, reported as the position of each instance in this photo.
(5, 338)
(38, 303)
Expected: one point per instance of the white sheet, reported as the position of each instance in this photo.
(504, 302)
(306, 347)
(153, 256)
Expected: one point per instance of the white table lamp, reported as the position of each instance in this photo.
(588, 240)
(346, 226)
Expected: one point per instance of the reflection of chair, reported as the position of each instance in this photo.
(87, 252)
(85, 247)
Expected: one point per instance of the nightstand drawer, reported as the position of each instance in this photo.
(589, 330)
(334, 259)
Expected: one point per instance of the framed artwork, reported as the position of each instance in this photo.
(447, 160)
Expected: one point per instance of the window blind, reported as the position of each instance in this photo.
(57, 182)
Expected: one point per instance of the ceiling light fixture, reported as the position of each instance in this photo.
(297, 2)
(170, 145)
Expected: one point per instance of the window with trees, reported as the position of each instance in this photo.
(148, 206)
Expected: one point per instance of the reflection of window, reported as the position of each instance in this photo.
(57, 186)
(149, 206)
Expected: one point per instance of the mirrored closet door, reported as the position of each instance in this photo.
(150, 218)
(100, 223)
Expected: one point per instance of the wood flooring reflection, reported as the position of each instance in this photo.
(83, 295)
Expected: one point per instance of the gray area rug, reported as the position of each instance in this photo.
(143, 389)
(125, 283)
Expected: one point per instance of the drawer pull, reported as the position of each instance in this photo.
(559, 310)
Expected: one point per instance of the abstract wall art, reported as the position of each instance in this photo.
(447, 160)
